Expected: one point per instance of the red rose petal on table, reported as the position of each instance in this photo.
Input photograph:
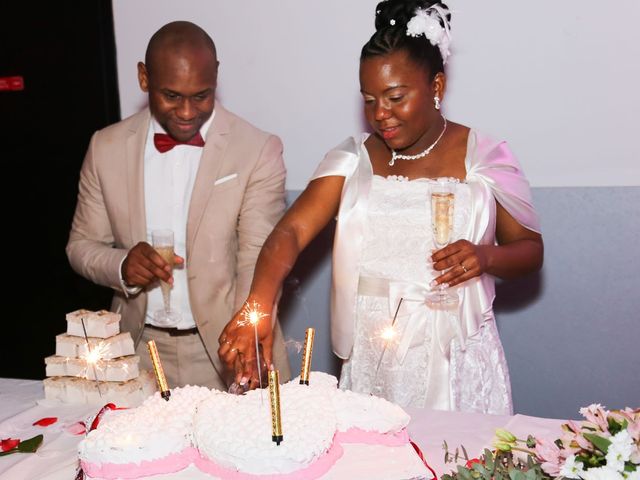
(78, 428)
(9, 444)
(46, 421)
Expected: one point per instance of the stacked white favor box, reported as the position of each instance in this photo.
(113, 377)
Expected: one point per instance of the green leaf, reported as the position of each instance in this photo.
(488, 460)
(615, 426)
(531, 475)
(516, 475)
(464, 473)
(478, 467)
(464, 451)
(30, 445)
(600, 443)
(27, 446)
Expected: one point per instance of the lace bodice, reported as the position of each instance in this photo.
(397, 245)
(398, 239)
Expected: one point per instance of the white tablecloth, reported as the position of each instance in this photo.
(56, 459)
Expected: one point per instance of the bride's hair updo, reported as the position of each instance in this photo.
(392, 17)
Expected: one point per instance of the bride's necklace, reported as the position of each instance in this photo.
(397, 156)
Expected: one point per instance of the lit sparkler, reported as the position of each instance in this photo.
(252, 315)
(388, 334)
(91, 357)
(94, 357)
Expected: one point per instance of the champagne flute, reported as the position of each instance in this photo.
(442, 209)
(163, 244)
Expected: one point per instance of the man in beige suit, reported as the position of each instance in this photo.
(188, 165)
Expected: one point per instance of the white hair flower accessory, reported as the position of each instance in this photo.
(427, 22)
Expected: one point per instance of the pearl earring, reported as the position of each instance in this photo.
(436, 102)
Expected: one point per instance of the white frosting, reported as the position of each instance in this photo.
(118, 345)
(101, 324)
(366, 412)
(235, 431)
(355, 410)
(319, 380)
(78, 390)
(116, 370)
(152, 431)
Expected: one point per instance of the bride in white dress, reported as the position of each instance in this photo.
(378, 187)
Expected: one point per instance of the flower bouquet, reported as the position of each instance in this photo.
(605, 446)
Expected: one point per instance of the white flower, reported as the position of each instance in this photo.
(601, 473)
(593, 408)
(424, 24)
(571, 468)
(620, 450)
(444, 48)
(427, 22)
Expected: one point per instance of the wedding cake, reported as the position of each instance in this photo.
(94, 363)
(327, 433)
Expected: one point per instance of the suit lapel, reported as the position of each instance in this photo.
(135, 145)
(210, 164)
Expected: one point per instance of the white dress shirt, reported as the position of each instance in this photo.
(168, 182)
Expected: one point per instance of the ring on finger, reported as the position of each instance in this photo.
(464, 268)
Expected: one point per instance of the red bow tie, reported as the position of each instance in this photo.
(164, 142)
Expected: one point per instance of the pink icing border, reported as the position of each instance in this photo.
(318, 468)
(179, 461)
(169, 464)
(357, 435)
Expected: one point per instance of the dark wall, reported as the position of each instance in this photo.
(65, 51)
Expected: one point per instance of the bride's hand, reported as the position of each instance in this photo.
(237, 349)
(462, 261)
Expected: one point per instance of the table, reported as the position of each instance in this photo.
(56, 459)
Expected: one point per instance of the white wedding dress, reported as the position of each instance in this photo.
(397, 245)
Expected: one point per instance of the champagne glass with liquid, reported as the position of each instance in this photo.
(163, 244)
(442, 194)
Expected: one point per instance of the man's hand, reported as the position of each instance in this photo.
(143, 265)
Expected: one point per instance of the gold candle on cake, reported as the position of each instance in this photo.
(163, 386)
(305, 369)
(274, 397)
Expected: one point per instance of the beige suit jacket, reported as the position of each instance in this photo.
(227, 224)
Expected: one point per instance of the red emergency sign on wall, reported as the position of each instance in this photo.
(11, 83)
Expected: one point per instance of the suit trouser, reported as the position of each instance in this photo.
(184, 359)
